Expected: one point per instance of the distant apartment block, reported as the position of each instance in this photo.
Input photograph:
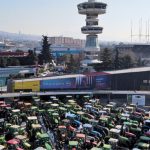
(67, 42)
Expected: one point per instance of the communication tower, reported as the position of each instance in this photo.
(92, 9)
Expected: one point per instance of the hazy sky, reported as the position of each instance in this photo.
(61, 18)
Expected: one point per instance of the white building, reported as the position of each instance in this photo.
(92, 9)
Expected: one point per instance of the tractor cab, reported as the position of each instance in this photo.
(145, 139)
(113, 142)
(77, 108)
(63, 131)
(21, 105)
(113, 103)
(143, 146)
(73, 144)
(147, 133)
(70, 116)
(27, 105)
(133, 105)
(36, 101)
(33, 110)
(124, 141)
(114, 133)
(109, 106)
(93, 122)
(47, 105)
(107, 147)
(147, 123)
(2, 147)
(2, 125)
(14, 129)
(55, 100)
(88, 107)
(62, 110)
(80, 114)
(65, 122)
(50, 111)
(125, 115)
(43, 138)
(146, 126)
(31, 120)
(54, 106)
(80, 137)
(103, 113)
(13, 144)
(87, 128)
(55, 118)
(23, 141)
(130, 109)
(107, 109)
(36, 127)
(40, 148)
(15, 111)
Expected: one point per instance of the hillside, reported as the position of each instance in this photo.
(18, 36)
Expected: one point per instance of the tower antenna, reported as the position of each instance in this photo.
(140, 29)
(148, 34)
(131, 31)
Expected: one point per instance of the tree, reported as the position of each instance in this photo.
(70, 64)
(3, 62)
(140, 62)
(74, 64)
(12, 62)
(106, 58)
(117, 60)
(127, 62)
(15, 62)
(45, 56)
(63, 59)
(31, 57)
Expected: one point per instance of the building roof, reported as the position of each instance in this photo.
(13, 54)
(131, 70)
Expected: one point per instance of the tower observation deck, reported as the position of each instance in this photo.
(92, 9)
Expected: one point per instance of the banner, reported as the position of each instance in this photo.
(102, 82)
(138, 100)
(63, 83)
(81, 82)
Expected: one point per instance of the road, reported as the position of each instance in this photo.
(84, 92)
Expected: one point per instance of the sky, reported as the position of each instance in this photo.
(61, 18)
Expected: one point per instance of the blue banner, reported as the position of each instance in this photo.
(64, 83)
(102, 82)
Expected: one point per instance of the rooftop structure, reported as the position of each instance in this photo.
(92, 9)
(4, 46)
(13, 54)
(130, 70)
